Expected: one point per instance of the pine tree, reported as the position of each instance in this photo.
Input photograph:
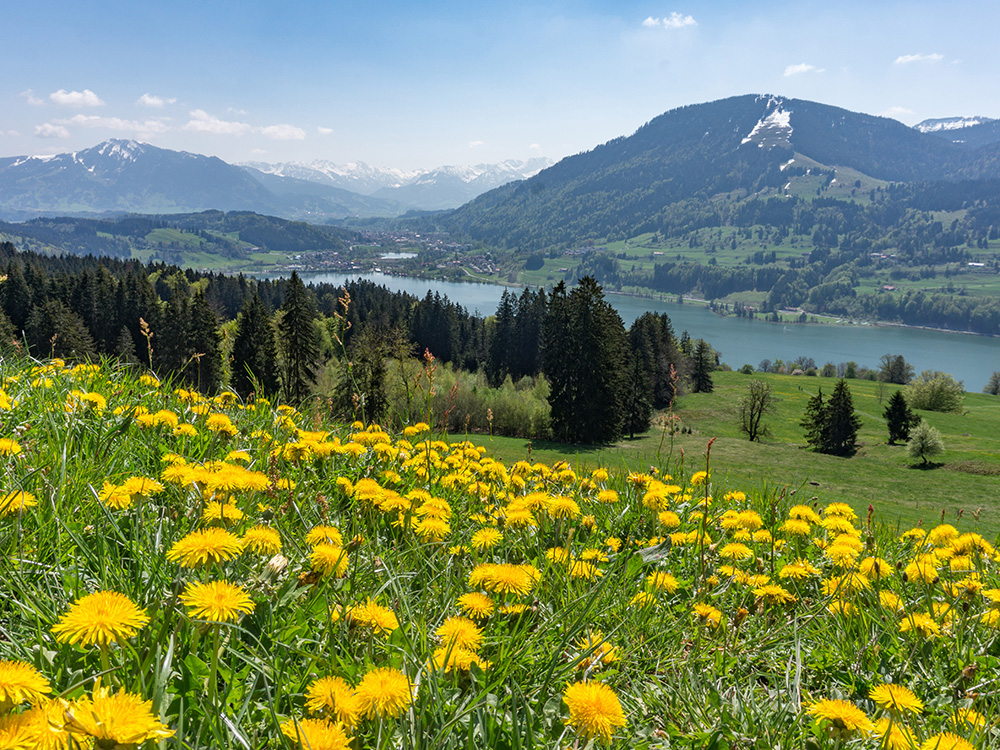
(899, 418)
(298, 341)
(840, 433)
(204, 366)
(584, 357)
(501, 346)
(702, 364)
(814, 421)
(255, 358)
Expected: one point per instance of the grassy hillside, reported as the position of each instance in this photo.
(183, 572)
(968, 479)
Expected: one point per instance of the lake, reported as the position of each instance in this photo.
(739, 341)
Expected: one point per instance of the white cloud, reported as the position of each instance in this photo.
(156, 102)
(324, 131)
(674, 21)
(794, 70)
(907, 59)
(11, 133)
(85, 98)
(202, 122)
(144, 127)
(283, 132)
(33, 100)
(258, 151)
(535, 147)
(897, 113)
(49, 130)
(476, 144)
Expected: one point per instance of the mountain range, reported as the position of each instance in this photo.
(430, 190)
(126, 176)
(733, 146)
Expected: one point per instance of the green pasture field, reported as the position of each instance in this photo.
(964, 481)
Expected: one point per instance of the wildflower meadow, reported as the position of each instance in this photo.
(191, 572)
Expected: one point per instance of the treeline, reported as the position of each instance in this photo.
(568, 348)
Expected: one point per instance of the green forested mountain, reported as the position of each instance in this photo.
(739, 146)
(172, 237)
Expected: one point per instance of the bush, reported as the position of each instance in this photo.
(935, 391)
(925, 442)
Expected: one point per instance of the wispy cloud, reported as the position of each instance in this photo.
(324, 131)
(674, 21)
(908, 59)
(536, 147)
(156, 102)
(897, 113)
(476, 144)
(795, 70)
(50, 130)
(10, 133)
(85, 98)
(141, 127)
(283, 132)
(203, 122)
(29, 96)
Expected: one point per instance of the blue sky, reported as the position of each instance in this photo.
(417, 85)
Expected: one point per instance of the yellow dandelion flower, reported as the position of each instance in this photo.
(946, 741)
(329, 560)
(594, 710)
(707, 615)
(896, 698)
(561, 506)
(16, 502)
(203, 547)
(20, 682)
(460, 632)
(224, 513)
(894, 736)
(455, 659)
(661, 581)
(921, 624)
(374, 616)
(384, 693)
(597, 651)
(774, 594)
(486, 538)
(334, 698)
(101, 617)
(325, 534)
(9, 447)
(262, 540)
(476, 605)
(842, 717)
(316, 734)
(217, 601)
(122, 719)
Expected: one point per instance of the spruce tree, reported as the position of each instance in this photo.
(501, 346)
(255, 357)
(298, 341)
(702, 364)
(584, 354)
(899, 418)
(204, 366)
(814, 421)
(841, 424)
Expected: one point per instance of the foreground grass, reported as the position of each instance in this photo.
(402, 591)
(963, 483)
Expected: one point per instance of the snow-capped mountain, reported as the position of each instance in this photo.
(950, 123)
(431, 189)
(971, 132)
(128, 176)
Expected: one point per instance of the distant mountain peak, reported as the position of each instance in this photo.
(936, 125)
